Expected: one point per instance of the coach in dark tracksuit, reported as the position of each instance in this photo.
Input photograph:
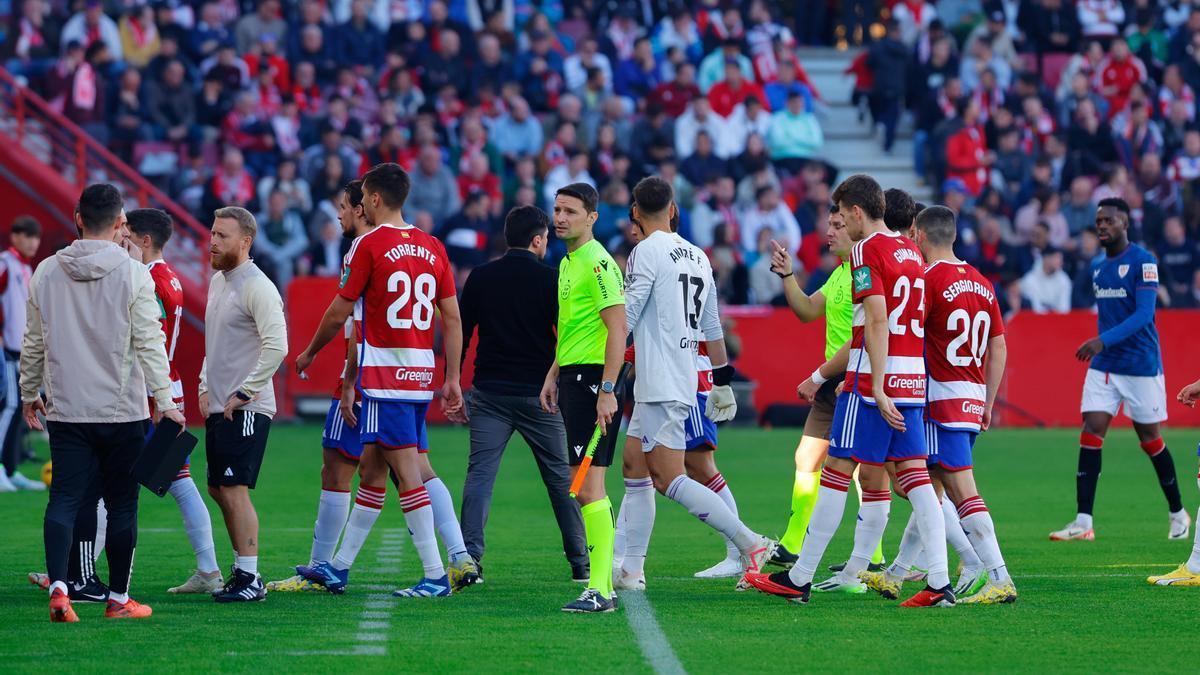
(93, 341)
(513, 303)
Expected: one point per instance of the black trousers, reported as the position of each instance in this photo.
(81, 452)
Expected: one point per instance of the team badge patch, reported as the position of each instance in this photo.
(345, 277)
(862, 279)
(1150, 272)
(1122, 270)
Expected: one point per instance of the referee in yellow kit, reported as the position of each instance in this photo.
(583, 378)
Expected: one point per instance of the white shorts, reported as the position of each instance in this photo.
(1145, 398)
(660, 423)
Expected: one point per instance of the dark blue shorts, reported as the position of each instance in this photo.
(949, 448)
(340, 436)
(394, 424)
(699, 432)
(860, 433)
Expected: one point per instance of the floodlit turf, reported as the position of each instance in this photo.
(1083, 606)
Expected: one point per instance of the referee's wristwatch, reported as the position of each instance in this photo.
(607, 387)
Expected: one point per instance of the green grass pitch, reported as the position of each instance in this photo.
(1083, 606)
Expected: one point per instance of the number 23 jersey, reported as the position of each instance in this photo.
(961, 317)
(889, 265)
(400, 273)
(670, 307)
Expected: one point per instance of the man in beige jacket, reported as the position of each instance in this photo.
(92, 343)
(245, 340)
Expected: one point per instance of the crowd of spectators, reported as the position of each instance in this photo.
(1028, 112)
(1025, 112)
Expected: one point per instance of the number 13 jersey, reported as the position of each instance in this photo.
(962, 316)
(889, 265)
(400, 273)
(670, 307)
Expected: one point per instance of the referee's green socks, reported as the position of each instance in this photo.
(804, 497)
(599, 527)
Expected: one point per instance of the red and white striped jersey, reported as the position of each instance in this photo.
(169, 293)
(400, 273)
(889, 265)
(962, 315)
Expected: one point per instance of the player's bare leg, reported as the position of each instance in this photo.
(701, 466)
(635, 520)
(462, 569)
(667, 470)
(241, 521)
(979, 528)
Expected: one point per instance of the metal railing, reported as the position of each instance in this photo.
(80, 160)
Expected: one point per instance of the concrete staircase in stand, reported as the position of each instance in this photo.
(850, 144)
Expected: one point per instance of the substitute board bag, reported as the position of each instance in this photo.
(162, 456)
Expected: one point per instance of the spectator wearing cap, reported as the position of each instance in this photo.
(733, 90)
(434, 189)
(712, 68)
(267, 18)
(1046, 287)
(90, 25)
(674, 97)
(795, 137)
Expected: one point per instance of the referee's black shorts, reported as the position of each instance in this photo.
(820, 416)
(235, 448)
(578, 389)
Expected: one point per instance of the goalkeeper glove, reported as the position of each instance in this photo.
(722, 406)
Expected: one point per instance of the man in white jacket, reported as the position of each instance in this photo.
(93, 342)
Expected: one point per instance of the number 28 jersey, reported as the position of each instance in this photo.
(961, 317)
(400, 273)
(889, 265)
(670, 307)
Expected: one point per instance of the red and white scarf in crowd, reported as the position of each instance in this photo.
(83, 87)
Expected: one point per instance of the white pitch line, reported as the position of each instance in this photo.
(651, 640)
(376, 617)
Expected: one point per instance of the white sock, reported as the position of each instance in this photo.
(367, 506)
(872, 521)
(708, 507)
(247, 563)
(60, 585)
(957, 538)
(718, 485)
(119, 598)
(1084, 519)
(639, 508)
(826, 516)
(196, 522)
(332, 511)
(101, 530)
(915, 483)
(418, 513)
(978, 524)
(1193, 563)
(910, 549)
(619, 532)
(446, 519)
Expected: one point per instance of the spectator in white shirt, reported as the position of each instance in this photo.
(771, 212)
(574, 171)
(1046, 287)
(588, 56)
(699, 116)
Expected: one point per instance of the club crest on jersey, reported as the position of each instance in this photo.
(1122, 270)
(862, 279)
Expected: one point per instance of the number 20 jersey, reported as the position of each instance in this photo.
(889, 265)
(400, 273)
(670, 307)
(961, 316)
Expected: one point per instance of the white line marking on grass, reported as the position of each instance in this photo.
(377, 606)
(653, 643)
